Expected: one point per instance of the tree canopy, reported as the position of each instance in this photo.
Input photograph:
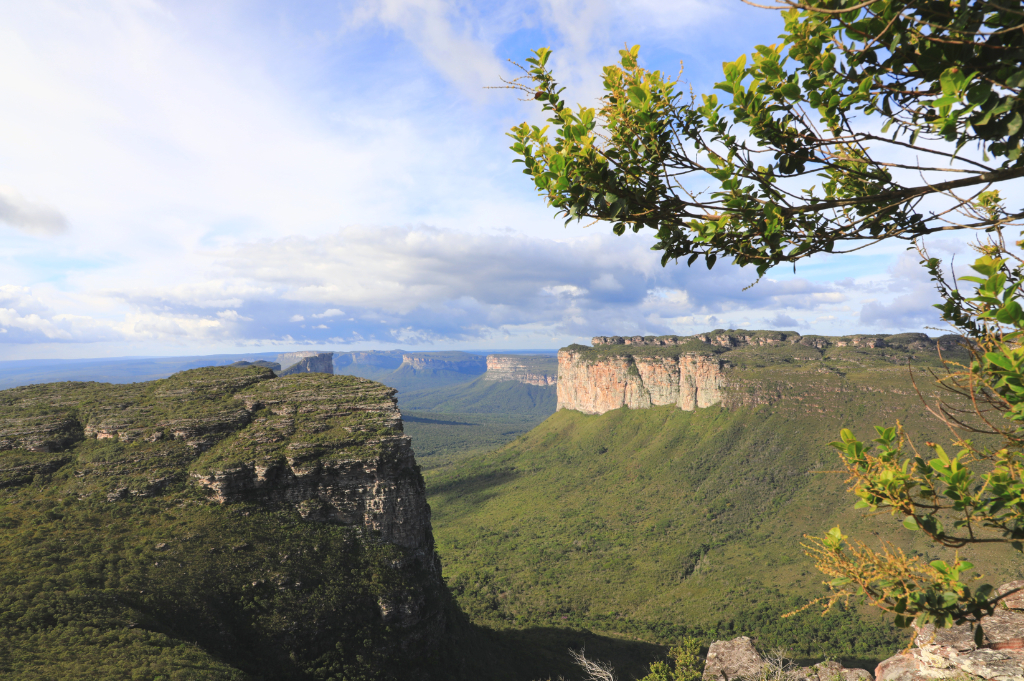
(869, 120)
(863, 123)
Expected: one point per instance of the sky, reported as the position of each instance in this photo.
(196, 177)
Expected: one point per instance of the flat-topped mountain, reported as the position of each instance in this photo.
(733, 367)
(541, 370)
(222, 522)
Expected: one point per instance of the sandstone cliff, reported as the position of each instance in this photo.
(306, 362)
(461, 362)
(330, 448)
(730, 368)
(540, 370)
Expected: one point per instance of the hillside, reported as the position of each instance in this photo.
(218, 524)
(659, 521)
(481, 415)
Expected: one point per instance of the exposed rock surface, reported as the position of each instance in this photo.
(731, 368)
(461, 362)
(738, 659)
(331, 447)
(306, 362)
(952, 653)
(381, 359)
(687, 381)
(541, 370)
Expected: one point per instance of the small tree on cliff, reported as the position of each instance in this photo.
(870, 120)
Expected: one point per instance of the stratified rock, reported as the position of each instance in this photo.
(540, 370)
(461, 362)
(952, 652)
(594, 387)
(306, 362)
(729, 368)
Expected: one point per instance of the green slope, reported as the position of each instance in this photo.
(660, 522)
(114, 565)
(481, 415)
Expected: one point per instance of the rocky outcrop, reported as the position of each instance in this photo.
(738, 659)
(730, 368)
(461, 362)
(306, 362)
(952, 653)
(688, 381)
(330, 447)
(540, 370)
(380, 359)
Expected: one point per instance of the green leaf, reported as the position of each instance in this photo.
(791, 91)
(910, 523)
(1014, 124)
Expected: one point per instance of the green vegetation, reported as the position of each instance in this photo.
(660, 524)
(704, 174)
(114, 564)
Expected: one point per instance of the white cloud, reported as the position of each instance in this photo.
(333, 312)
(296, 318)
(34, 218)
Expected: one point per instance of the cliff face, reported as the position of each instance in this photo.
(462, 362)
(315, 447)
(306, 362)
(541, 370)
(730, 368)
(594, 387)
(333, 449)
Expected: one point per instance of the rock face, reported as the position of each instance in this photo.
(306, 362)
(952, 653)
(381, 359)
(728, 368)
(737, 659)
(329, 447)
(335, 454)
(461, 362)
(541, 370)
(688, 381)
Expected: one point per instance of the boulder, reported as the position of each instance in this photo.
(738, 659)
(732, 659)
(949, 653)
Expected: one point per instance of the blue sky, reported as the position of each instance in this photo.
(201, 177)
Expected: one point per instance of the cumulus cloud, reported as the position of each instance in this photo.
(333, 312)
(35, 218)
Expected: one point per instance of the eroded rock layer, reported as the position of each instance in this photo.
(329, 447)
(540, 370)
(731, 368)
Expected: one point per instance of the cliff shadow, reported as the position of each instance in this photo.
(542, 653)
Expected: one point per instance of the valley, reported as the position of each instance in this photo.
(622, 497)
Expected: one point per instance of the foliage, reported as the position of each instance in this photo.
(975, 495)
(782, 169)
(683, 664)
(946, 77)
(113, 564)
(637, 521)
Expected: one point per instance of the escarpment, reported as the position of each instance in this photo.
(233, 463)
(461, 362)
(306, 362)
(539, 370)
(735, 368)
